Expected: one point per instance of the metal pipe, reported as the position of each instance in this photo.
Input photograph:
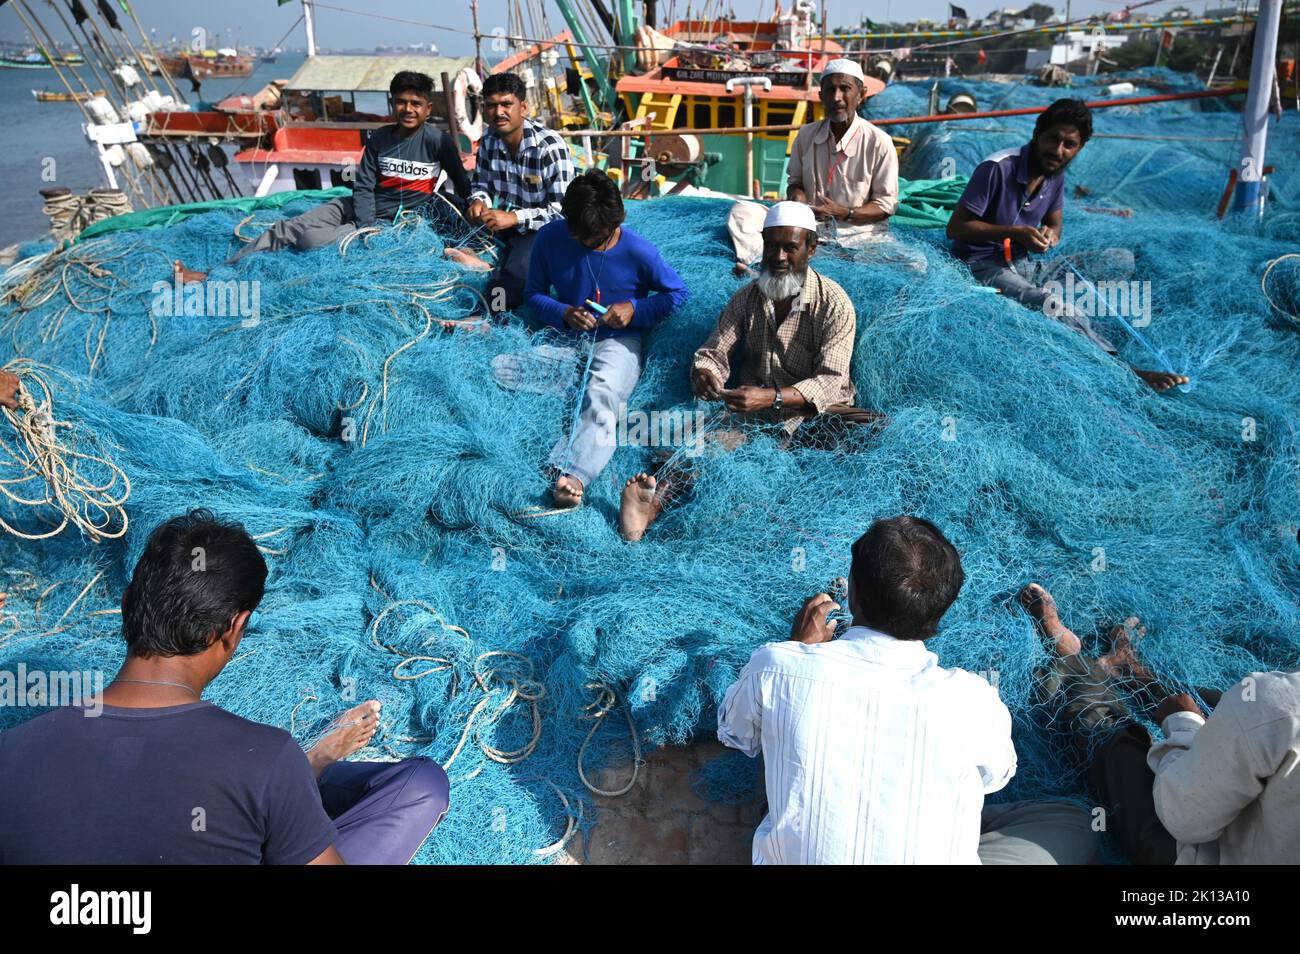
(1255, 115)
(309, 24)
(749, 82)
(941, 118)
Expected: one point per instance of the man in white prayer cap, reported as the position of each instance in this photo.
(843, 166)
(845, 169)
(793, 330)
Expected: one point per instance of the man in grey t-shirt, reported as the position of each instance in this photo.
(399, 171)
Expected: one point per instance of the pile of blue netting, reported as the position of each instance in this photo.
(400, 496)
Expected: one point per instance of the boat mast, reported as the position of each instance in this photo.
(1255, 115)
(309, 24)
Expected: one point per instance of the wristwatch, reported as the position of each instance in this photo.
(776, 401)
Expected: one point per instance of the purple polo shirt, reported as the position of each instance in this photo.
(996, 194)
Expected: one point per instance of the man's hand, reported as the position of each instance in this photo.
(826, 209)
(620, 315)
(748, 398)
(1034, 239)
(1179, 703)
(475, 211)
(498, 220)
(9, 388)
(810, 623)
(706, 385)
(579, 319)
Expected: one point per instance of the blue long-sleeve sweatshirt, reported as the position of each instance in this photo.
(563, 273)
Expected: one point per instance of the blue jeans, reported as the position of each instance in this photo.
(384, 810)
(1024, 278)
(558, 369)
(615, 369)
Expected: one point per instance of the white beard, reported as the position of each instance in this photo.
(779, 289)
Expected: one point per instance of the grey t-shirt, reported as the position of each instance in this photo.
(189, 784)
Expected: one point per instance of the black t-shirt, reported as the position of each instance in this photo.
(189, 784)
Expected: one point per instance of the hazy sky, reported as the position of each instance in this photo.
(263, 23)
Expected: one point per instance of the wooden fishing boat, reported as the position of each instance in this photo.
(53, 96)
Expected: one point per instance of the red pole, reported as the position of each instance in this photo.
(1031, 110)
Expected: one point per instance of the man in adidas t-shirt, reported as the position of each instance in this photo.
(398, 172)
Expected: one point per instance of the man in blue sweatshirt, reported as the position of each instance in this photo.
(594, 279)
(399, 171)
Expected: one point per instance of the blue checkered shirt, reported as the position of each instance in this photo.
(530, 183)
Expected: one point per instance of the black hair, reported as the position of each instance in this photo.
(508, 83)
(1066, 112)
(409, 81)
(905, 575)
(195, 575)
(592, 205)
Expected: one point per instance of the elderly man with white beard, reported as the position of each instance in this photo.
(794, 329)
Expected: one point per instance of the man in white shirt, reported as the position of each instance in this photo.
(1222, 790)
(846, 170)
(873, 752)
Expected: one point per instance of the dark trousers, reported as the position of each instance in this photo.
(505, 287)
(384, 810)
(1113, 750)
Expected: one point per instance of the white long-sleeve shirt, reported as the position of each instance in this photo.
(873, 752)
(1228, 788)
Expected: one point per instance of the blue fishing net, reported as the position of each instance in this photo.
(400, 494)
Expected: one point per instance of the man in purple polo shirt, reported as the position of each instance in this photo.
(1019, 194)
(148, 772)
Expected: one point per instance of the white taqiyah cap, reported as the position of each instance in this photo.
(844, 66)
(790, 213)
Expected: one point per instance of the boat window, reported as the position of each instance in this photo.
(702, 116)
(726, 116)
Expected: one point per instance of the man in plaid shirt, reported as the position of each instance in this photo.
(794, 329)
(520, 177)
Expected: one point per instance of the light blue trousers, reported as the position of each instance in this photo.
(615, 369)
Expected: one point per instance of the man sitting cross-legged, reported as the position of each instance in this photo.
(590, 256)
(794, 329)
(152, 774)
(847, 170)
(520, 177)
(874, 753)
(1018, 196)
(1221, 790)
(399, 171)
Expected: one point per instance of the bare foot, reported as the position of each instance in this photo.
(639, 508)
(349, 733)
(568, 491)
(467, 259)
(1039, 604)
(186, 276)
(1122, 659)
(1161, 381)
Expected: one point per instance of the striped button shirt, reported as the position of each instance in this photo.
(873, 752)
(810, 350)
(530, 183)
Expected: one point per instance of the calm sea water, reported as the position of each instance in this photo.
(34, 131)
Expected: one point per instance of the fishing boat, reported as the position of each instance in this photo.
(53, 96)
(220, 63)
(723, 74)
(27, 61)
